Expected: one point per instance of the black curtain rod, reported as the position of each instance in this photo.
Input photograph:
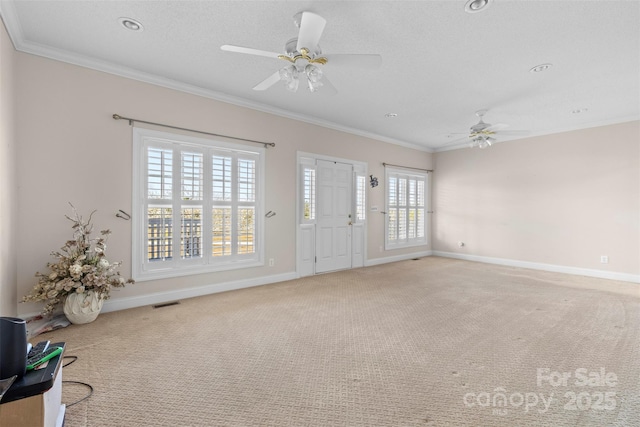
(131, 121)
(406, 167)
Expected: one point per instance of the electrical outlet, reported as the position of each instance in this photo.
(272, 262)
(604, 259)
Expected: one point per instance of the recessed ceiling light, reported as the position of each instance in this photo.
(391, 115)
(475, 6)
(131, 24)
(540, 68)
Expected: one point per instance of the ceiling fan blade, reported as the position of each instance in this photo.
(328, 87)
(311, 28)
(369, 61)
(249, 51)
(496, 127)
(513, 132)
(268, 82)
(458, 140)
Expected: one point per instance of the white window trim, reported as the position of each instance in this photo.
(141, 138)
(407, 243)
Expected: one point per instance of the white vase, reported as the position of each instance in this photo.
(82, 308)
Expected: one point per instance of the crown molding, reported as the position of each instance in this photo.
(102, 66)
(14, 30)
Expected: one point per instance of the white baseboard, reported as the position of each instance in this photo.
(601, 274)
(116, 304)
(385, 260)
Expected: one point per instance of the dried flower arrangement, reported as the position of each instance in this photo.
(81, 266)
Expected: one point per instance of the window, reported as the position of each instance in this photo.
(361, 203)
(309, 193)
(406, 208)
(198, 205)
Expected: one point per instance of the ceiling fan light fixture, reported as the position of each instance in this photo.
(289, 72)
(292, 85)
(289, 75)
(482, 142)
(314, 74)
(313, 86)
(475, 6)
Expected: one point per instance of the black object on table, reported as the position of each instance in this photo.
(36, 381)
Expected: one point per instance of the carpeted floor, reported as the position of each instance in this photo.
(430, 342)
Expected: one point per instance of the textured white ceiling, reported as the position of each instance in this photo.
(439, 63)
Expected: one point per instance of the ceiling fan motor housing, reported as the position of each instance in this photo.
(479, 127)
(291, 48)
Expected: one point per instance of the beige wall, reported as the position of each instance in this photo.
(8, 183)
(71, 150)
(562, 199)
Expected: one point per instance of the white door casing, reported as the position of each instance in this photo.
(307, 214)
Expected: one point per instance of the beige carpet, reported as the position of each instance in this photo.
(430, 342)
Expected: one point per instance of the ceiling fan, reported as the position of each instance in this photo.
(304, 58)
(483, 135)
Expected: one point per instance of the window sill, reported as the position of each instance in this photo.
(169, 273)
(390, 247)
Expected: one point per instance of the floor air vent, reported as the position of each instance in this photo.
(166, 304)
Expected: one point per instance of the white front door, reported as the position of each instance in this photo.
(334, 216)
